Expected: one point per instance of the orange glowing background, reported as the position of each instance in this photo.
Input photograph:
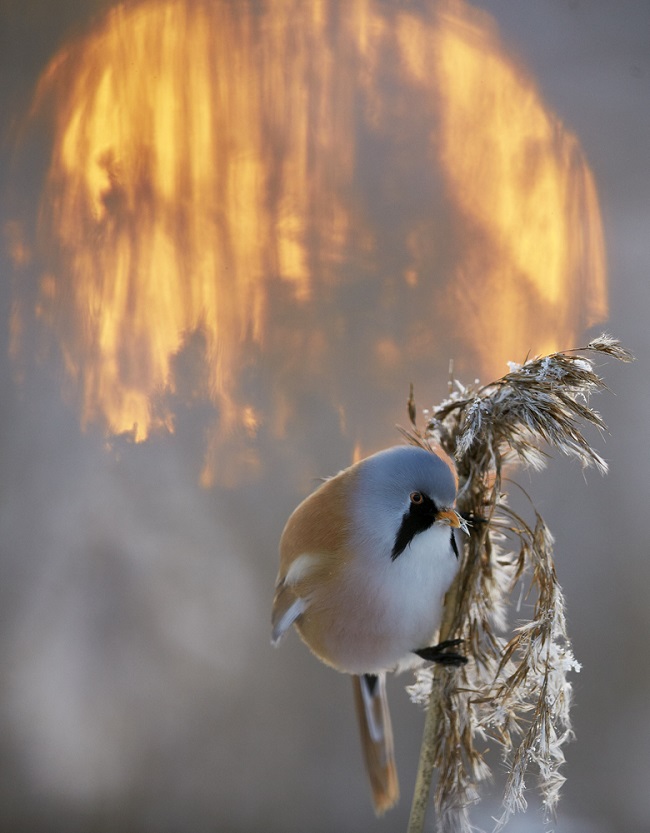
(272, 178)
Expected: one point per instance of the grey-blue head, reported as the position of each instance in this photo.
(401, 492)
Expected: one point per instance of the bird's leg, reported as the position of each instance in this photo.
(439, 653)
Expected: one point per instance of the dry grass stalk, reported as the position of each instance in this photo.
(514, 692)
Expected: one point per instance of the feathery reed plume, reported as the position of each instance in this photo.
(514, 691)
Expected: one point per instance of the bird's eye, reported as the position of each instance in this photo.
(416, 498)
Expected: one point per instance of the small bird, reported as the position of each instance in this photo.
(365, 562)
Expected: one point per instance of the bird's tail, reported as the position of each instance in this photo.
(377, 739)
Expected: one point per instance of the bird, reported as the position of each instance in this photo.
(365, 562)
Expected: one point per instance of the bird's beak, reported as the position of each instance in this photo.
(449, 517)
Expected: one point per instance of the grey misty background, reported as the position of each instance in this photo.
(139, 689)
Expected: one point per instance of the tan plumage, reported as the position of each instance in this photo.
(376, 732)
(316, 533)
(323, 519)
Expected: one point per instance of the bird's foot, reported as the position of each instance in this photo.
(439, 653)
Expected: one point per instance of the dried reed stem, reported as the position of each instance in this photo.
(514, 692)
(427, 761)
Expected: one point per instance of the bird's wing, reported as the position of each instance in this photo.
(292, 593)
(287, 607)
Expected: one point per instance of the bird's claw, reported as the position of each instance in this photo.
(439, 653)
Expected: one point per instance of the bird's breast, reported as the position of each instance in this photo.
(384, 609)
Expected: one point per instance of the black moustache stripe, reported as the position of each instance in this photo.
(418, 519)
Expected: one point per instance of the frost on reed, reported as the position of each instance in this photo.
(514, 692)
